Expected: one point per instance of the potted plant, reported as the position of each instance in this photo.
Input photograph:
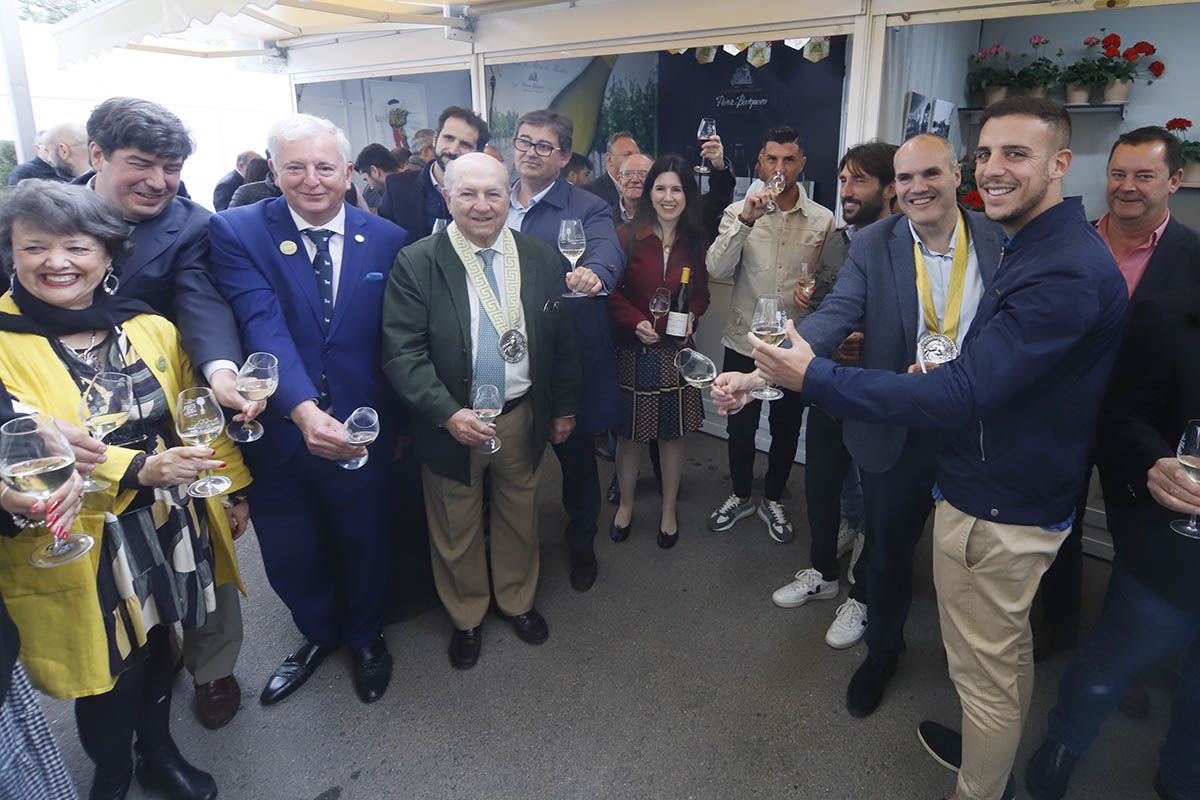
(991, 74)
(1119, 68)
(1191, 149)
(968, 193)
(1041, 73)
(1080, 76)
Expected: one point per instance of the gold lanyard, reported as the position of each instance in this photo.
(954, 295)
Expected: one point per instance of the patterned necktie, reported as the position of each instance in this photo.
(323, 268)
(489, 366)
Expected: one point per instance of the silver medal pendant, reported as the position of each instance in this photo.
(513, 346)
(935, 348)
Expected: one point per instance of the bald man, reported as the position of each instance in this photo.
(67, 149)
(491, 294)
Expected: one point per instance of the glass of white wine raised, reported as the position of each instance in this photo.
(572, 242)
(1188, 454)
(105, 406)
(257, 380)
(199, 422)
(768, 324)
(362, 428)
(36, 460)
(487, 405)
(776, 184)
(706, 130)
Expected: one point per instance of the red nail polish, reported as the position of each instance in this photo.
(53, 518)
(223, 465)
(59, 532)
(54, 506)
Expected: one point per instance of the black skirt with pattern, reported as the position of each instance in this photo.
(656, 403)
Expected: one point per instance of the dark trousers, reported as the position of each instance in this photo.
(897, 503)
(826, 462)
(787, 417)
(580, 489)
(324, 535)
(1136, 629)
(1062, 584)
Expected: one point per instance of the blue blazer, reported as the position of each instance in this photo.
(274, 297)
(600, 400)
(876, 293)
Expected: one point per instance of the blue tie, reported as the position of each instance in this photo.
(323, 269)
(489, 366)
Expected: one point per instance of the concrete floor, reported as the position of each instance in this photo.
(674, 677)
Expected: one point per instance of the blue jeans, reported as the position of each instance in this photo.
(1136, 629)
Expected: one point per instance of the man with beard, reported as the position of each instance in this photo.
(413, 200)
(1014, 416)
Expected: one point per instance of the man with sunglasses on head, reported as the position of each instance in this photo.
(540, 200)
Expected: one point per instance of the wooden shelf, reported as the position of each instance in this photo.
(1187, 185)
(974, 112)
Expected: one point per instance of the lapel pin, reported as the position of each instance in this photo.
(358, 237)
(161, 364)
(287, 247)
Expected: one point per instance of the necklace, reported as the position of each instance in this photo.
(86, 355)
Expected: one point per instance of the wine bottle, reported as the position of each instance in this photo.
(677, 318)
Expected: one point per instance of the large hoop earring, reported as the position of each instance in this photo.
(111, 282)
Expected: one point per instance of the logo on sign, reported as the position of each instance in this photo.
(742, 76)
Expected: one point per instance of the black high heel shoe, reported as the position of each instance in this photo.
(111, 784)
(667, 540)
(619, 534)
(163, 770)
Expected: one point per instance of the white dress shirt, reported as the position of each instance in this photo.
(516, 376)
(939, 266)
(337, 242)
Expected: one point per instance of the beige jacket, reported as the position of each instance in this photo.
(765, 258)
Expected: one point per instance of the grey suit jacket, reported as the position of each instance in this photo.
(876, 293)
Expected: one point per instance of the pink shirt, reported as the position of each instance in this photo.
(1133, 266)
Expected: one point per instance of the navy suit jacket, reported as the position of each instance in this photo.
(600, 400)
(1175, 264)
(274, 297)
(404, 201)
(876, 293)
(223, 192)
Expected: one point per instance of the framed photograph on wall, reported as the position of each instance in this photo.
(396, 110)
(926, 114)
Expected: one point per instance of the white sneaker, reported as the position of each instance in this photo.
(808, 585)
(859, 541)
(849, 625)
(778, 526)
(846, 536)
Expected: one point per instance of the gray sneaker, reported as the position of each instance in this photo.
(778, 526)
(729, 512)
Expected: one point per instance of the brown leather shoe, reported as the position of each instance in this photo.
(217, 701)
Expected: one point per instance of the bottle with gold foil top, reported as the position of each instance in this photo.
(677, 318)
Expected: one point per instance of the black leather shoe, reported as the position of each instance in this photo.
(614, 492)
(465, 646)
(111, 784)
(619, 534)
(293, 672)
(667, 540)
(372, 671)
(865, 691)
(943, 744)
(1049, 771)
(530, 627)
(583, 570)
(218, 701)
(163, 771)
(1135, 704)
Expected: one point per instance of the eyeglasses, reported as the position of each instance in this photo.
(541, 148)
(634, 173)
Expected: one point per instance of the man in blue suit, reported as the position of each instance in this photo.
(541, 200)
(305, 274)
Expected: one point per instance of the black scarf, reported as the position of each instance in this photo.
(39, 317)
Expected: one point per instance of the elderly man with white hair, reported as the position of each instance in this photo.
(305, 275)
(475, 345)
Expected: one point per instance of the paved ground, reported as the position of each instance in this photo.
(675, 677)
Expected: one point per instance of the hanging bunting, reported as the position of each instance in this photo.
(796, 44)
(816, 49)
(734, 49)
(759, 54)
(705, 55)
(678, 52)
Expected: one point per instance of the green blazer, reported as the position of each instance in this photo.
(427, 345)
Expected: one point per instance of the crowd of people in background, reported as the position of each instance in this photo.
(417, 344)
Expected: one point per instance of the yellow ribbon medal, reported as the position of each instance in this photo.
(954, 294)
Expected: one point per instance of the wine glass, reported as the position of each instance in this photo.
(696, 368)
(708, 127)
(35, 459)
(571, 243)
(1188, 454)
(257, 380)
(439, 225)
(776, 184)
(362, 428)
(105, 406)
(199, 422)
(806, 277)
(660, 304)
(487, 406)
(768, 324)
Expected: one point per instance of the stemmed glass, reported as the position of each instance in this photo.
(257, 380)
(440, 225)
(708, 127)
(35, 459)
(362, 428)
(105, 406)
(776, 184)
(487, 407)
(696, 368)
(806, 277)
(660, 304)
(199, 422)
(1188, 454)
(571, 243)
(768, 324)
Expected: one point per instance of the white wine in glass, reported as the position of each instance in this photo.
(768, 324)
(660, 304)
(487, 405)
(1188, 454)
(199, 422)
(696, 368)
(362, 428)
(106, 405)
(806, 278)
(257, 380)
(572, 242)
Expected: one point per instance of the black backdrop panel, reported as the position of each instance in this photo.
(745, 101)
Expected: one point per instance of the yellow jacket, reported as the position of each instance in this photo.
(63, 642)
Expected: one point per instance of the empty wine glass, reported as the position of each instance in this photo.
(660, 304)
(708, 127)
(362, 428)
(572, 241)
(199, 422)
(768, 324)
(36, 459)
(105, 406)
(487, 405)
(257, 380)
(1188, 454)
(440, 224)
(776, 184)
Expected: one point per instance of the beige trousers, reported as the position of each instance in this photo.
(986, 575)
(455, 513)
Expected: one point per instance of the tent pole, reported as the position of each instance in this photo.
(18, 80)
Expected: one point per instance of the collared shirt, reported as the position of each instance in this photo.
(939, 266)
(1133, 266)
(337, 242)
(516, 376)
(516, 211)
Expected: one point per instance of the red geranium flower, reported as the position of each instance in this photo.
(1111, 41)
(1131, 55)
(1178, 124)
(1112, 52)
(1145, 48)
(1156, 68)
(973, 199)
